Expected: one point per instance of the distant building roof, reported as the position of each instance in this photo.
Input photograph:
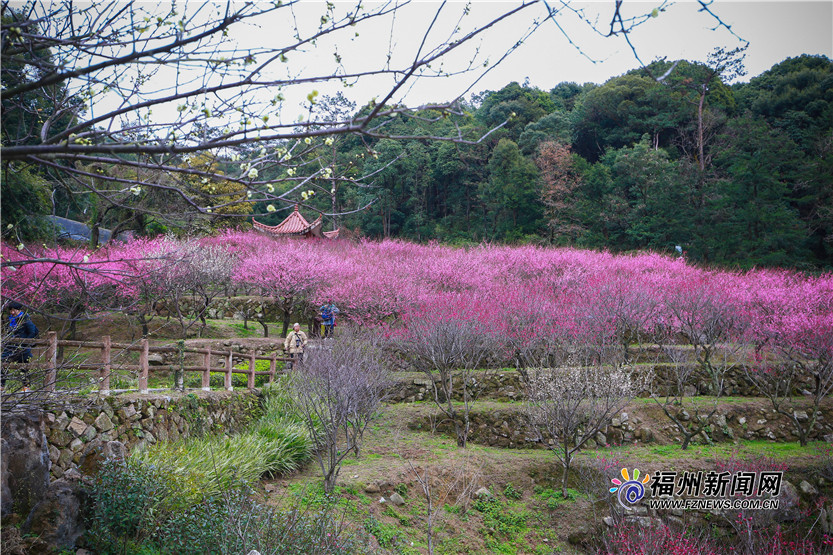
(79, 231)
(296, 224)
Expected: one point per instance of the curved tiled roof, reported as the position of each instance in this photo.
(296, 224)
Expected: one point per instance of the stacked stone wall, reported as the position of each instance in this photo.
(508, 428)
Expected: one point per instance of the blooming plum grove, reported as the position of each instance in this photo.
(519, 293)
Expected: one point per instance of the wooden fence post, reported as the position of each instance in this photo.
(104, 372)
(179, 373)
(143, 367)
(227, 377)
(206, 374)
(52, 361)
(250, 380)
(273, 365)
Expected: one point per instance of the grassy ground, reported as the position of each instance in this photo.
(526, 513)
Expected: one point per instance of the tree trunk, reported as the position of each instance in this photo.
(700, 148)
(143, 321)
(330, 481)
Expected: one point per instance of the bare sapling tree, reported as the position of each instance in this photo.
(441, 487)
(449, 351)
(337, 391)
(714, 328)
(594, 481)
(570, 405)
(798, 385)
(583, 386)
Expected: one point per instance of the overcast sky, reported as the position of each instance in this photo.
(775, 30)
(563, 48)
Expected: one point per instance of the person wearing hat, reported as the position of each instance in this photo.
(20, 326)
(295, 343)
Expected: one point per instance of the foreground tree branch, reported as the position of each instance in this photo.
(134, 91)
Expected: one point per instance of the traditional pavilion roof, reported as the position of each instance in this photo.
(296, 224)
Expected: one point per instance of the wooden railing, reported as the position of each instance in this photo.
(52, 344)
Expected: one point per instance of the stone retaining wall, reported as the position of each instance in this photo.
(74, 435)
(499, 385)
(255, 307)
(508, 428)
(507, 384)
(45, 454)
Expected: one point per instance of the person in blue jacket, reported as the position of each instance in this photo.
(20, 326)
(328, 317)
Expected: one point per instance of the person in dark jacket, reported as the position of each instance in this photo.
(20, 326)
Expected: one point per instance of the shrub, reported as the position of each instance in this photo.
(498, 521)
(337, 392)
(387, 535)
(131, 503)
(511, 493)
(138, 508)
(401, 489)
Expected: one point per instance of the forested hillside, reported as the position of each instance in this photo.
(624, 166)
(738, 175)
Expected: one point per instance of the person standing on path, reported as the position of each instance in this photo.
(328, 317)
(295, 343)
(20, 326)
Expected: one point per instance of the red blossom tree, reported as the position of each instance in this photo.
(560, 179)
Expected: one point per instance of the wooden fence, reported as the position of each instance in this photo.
(52, 344)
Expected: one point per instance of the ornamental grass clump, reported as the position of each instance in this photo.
(292, 436)
(276, 443)
(213, 464)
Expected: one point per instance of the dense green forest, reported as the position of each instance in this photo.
(737, 175)
(623, 166)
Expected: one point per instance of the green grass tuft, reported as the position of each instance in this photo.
(277, 443)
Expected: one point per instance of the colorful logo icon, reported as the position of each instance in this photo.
(632, 489)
